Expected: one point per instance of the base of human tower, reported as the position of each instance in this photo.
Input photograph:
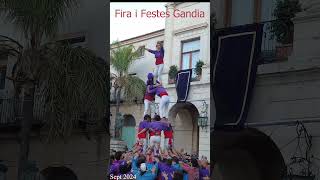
(156, 134)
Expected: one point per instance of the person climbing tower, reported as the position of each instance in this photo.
(149, 97)
(159, 55)
(164, 99)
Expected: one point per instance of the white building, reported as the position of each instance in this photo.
(186, 41)
(284, 113)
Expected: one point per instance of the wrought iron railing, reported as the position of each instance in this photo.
(271, 50)
(11, 110)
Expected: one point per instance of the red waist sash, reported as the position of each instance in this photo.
(168, 134)
(156, 133)
(159, 60)
(163, 94)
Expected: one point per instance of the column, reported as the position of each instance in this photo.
(307, 32)
(168, 38)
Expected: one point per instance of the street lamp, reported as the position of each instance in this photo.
(203, 118)
(202, 121)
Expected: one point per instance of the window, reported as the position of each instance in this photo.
(141, 51)
(3, 72)
(190, 55)
(242, 12)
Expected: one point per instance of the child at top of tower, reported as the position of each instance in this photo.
(159, 55)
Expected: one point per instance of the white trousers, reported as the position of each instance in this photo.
(145, 145)
(166, 143)
(148, 107)
(154, 140)
(162, 141)
(164, 106)
(158, 72)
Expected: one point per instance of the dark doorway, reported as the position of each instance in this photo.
(58, 173)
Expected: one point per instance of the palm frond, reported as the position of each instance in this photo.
(134, 88)
(36, 18)
(75, 83)
(9, 46)
(122, 57)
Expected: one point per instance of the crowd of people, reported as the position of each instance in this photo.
(149, 160)
(154, 156)
(168, 164)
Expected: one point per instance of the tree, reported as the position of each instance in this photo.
(72, 80)
(124, 84)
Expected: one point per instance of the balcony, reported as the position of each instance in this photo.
(273, 51)
(194, 77)
(11, 111)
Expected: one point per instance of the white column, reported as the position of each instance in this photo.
(168, 38)
(307, 32)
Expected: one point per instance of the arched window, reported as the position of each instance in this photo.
(129, 120)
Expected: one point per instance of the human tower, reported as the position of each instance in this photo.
(156, 132)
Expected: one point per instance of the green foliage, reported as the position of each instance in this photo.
(134, 88)
(37, 18)
(75, 76)
(121, 59)
(198, 68)
(173, 71)
(282, 28)
(72, 81)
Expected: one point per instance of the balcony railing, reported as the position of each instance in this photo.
(194, 77)
(11, 111)
(271, 50)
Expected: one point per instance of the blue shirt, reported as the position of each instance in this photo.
(147, 175)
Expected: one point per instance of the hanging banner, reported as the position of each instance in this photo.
(235, 57)
(183, 79)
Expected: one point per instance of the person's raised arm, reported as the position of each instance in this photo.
(162, 50)
(151, 51)
(142, 131)
(165, 175)
(185, 167)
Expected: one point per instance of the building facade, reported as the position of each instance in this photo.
(186, 41)
(75, 157)
(281, 137)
